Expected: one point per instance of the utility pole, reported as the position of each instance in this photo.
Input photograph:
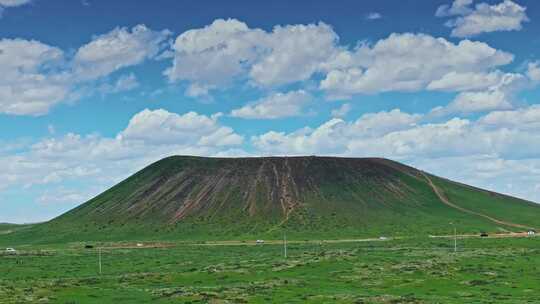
(285, 245)
(455, 239)
(455, 236)
(99, 259)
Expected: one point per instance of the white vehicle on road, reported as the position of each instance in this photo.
(11, 250)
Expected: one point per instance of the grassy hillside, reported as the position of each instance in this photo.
(6, 228)
(218, 198)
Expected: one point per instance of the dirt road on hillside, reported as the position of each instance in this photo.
(445, 200)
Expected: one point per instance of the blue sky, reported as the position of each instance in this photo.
(91, 91)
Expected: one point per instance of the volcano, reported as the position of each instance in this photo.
(186, 196)
(326, 195)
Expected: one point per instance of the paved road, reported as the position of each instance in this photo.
(277, 242)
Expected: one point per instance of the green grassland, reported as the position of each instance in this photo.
(422, 270)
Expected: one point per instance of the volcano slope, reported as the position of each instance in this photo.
(183, 197)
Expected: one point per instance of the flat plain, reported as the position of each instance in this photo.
(420, 270)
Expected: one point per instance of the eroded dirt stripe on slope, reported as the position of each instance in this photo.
(445, 200)
(287, 188)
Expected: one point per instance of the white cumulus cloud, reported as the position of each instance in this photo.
(162, 127)
(409, 62)
(29, 81)
(498, 91)
(524, 119)
(35, 76)
(118, 49)
(277, 105)
(336, 135)
(215, 54)
(405, 136)
(295, 53)
(483, 18)
(228, 50)
(458, 7)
